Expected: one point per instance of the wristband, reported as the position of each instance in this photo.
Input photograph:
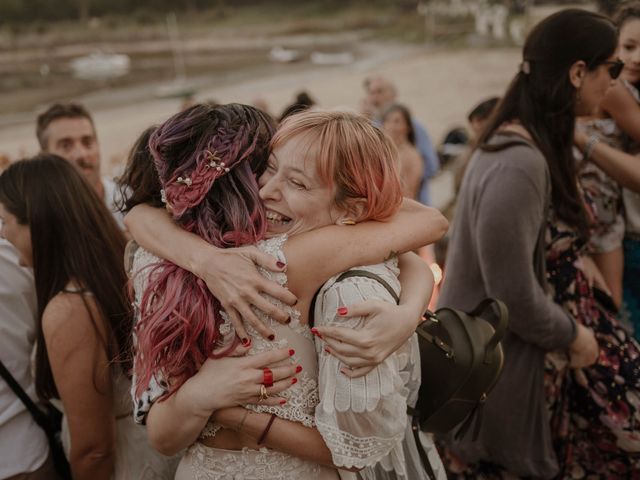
(591, 144)
(263, 435)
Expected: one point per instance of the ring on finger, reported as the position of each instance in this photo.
(267, 377)
(263, 393)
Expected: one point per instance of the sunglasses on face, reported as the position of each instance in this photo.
(615, 68)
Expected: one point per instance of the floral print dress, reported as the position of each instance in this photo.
(594, 411)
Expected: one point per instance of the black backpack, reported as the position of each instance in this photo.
(461, 359)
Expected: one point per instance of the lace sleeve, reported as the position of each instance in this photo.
(141, 268)
(362, 419)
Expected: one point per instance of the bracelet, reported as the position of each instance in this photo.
(591, 144)
(241, 422)
(263, 435)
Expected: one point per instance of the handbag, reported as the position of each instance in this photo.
(49, 419)
(461, 359)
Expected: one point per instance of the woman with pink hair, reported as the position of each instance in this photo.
(327, 169)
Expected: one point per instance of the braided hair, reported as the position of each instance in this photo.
(208, 159)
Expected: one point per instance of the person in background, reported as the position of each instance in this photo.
(302, 102)
(68, 130)
(24, 450)
(396, 123)
(59, 226)
(380, 92)
(566, 404)
(478, 119)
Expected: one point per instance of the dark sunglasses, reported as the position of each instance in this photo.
(615, 68)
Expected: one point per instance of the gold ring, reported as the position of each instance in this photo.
(263, 393)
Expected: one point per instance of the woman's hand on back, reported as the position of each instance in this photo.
(231, 275)
(231, 381)
(387, 328)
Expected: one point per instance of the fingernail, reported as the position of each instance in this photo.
(288, 320)
(342, 311)
(292, 352)
(316, 332)
(298, 368)
(294, 380)
(246, 342)
(343, 371)
(281, 265)
(271, 337)
(326, 349)
(283, 401)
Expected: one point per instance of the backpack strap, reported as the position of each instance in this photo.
(38, 415)
(349, 274)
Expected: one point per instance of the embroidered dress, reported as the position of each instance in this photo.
(363, 420)
(595, 411)
(205, 463)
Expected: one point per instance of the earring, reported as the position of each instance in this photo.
(348, 221)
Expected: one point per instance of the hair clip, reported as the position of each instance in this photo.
(186, 180)
(525, 67)
(215, 162)
(163, 196)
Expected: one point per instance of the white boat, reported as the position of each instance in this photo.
(99, 66)
(340, 58)
(284, 55)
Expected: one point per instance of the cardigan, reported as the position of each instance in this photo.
(497, 250)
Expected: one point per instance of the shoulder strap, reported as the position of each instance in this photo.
(348, 274)
(37, 414)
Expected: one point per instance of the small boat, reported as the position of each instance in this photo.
(340, 58)
(284, 55)
(99, 66)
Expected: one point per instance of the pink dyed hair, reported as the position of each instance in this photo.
(179, 318)
(355, 158)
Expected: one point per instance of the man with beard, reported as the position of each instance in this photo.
(68, 130)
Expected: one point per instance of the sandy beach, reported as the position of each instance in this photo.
(439, 86)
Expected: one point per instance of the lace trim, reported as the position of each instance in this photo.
(349, 451)
(215, 464)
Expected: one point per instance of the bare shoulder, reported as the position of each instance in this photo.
(618, 96)
(70, 315)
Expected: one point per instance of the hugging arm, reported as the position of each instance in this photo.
(363, 349)
(624, 109)
(176, 422)
(621, 166)
(230, 273)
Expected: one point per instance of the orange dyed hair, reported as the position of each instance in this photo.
(354, 158)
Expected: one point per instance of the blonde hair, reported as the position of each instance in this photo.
(353, 157)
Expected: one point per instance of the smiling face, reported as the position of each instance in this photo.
(74, 139)
(295, 199)
(17, 234)
(629, 50)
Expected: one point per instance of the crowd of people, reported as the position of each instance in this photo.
(241, 303)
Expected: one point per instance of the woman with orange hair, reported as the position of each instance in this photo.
(327, 172)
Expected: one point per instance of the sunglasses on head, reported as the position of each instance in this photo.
(615, 67)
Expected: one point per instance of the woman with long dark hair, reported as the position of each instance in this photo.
(60, 227)
(566, 404)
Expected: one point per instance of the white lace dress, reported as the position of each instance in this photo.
(204, 463)
(363, 420)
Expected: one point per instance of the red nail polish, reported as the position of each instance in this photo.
(294, 380)
(292, 352)
(343, 311)
(326, 349)
(316, 332)
(298, 368)
(271, 337)
(283, 401)
(246, 342)
(281, 265)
